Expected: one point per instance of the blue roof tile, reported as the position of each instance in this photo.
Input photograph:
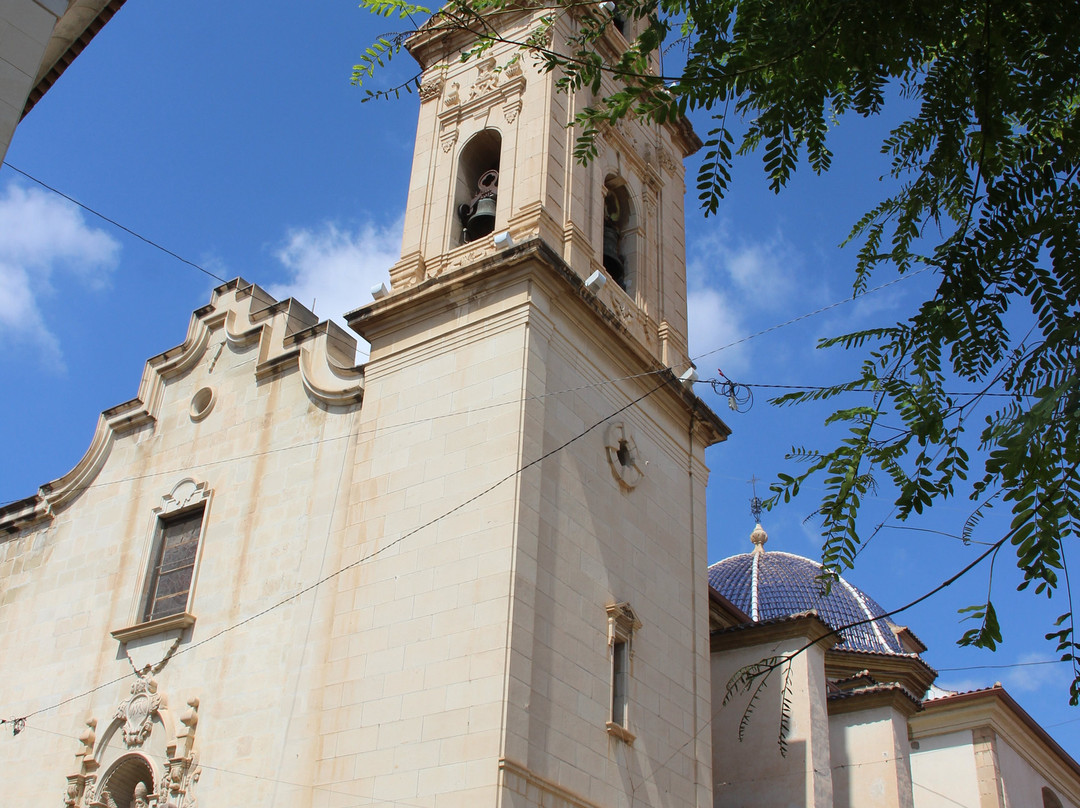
(782, 584)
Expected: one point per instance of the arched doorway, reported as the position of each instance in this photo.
(119, 784)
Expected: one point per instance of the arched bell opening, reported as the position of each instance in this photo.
(477, 192)
(129, 783)
(620, 237)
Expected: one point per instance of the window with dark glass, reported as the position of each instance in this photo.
(622, 624)
(173, 563)
(620, 681)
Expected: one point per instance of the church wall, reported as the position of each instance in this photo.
(587, 542)
(869, 755)
(414, 698)
(1023, 783)
(753, 770)
(270, 529)
(943, 772)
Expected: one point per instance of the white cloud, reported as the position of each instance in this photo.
(1036, 678)
(715, 322)
(731, 282)
(41, 235)
(336, 267)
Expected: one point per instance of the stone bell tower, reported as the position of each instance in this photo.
(622, 213)
(530, 623)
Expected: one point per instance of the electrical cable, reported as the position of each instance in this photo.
(362, 560)
(115, 223)
(591, 385)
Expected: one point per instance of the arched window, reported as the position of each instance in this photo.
(1050, 799)
(620, 234)
(128, 784)
(477, 191)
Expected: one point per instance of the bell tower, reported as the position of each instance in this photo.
(530, 468)
(495, 154)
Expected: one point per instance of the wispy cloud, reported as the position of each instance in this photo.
(732, 281)
(1036, 678)
(40, 236)
(334, 267)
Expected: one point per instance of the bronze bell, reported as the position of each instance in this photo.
(612, 262)
(478, 216)
(482, 219)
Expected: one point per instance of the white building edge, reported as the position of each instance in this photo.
(472, 570)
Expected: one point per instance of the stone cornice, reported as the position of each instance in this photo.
(996, 709)
(908, 670)
(286, 334)
(893, 695)
(73, 32)
(807, 626)
(406, 308)
(723, 613)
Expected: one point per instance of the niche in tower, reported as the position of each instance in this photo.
(620, 242)
(477, 191)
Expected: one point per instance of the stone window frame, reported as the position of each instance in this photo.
(186, 497)
(623, 624)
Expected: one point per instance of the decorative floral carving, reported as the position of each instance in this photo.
(181, 771)
(487, 78)
(511, 110)
(138, 710)
(431, 89)
(667, 162)
(471, 255)
(447, 140)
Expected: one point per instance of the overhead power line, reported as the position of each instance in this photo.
(115, 223)
(20, 721)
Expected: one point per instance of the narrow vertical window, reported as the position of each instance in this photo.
(173, 563)
(622, 623)
(620, 681)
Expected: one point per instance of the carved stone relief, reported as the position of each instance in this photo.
(487, 78)
(667, 162)
(145, 784)
(453, 96)
(431, 89)
(138, 710)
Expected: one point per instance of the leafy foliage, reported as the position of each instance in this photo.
(752, 679)
(987, 200)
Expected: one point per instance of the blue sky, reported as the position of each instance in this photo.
(236, 141)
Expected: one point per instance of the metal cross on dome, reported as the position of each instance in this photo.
(755, 501)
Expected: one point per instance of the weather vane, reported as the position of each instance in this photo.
(755, 501)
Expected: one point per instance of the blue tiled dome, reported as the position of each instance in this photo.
(768, 585)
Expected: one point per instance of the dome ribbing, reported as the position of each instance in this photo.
(768, 585)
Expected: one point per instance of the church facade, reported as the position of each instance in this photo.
(473, 569)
